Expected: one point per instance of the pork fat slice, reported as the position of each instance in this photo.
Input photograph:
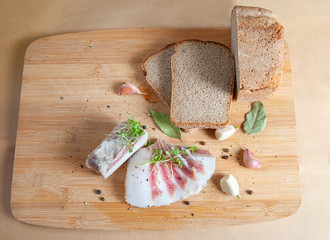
(113, 152)
(161, 184)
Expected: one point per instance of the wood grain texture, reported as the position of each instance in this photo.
(70, 100)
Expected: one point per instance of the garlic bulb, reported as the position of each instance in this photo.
(249, 160)
(224, 133)
(230, 186)
(129, 88)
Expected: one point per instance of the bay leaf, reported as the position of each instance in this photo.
(163, 121)
(255, 120)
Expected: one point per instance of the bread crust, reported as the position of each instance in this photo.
(189, 125)
(258, 26)
(245, 11)
(256, 95)
(152, 54)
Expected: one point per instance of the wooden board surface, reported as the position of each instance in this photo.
(70, 100)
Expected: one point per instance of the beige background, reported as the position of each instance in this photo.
(307, 30)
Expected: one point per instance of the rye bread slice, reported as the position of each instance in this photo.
(202, 84)
(157, 67)
(257, 40)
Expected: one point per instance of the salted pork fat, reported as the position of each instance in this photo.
(124, 140)
(181, 173)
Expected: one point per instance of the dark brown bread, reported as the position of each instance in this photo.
(157, 67)
(158, 72)
(202, 84)
(257, 45)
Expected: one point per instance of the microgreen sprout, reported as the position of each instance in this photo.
(148, 144)
(130, 132)
(170, 156)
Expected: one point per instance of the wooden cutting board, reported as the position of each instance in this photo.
(70, 100)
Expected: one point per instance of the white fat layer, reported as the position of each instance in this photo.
(126, 156)
(138, 188)
(138, 192)
(110, 147)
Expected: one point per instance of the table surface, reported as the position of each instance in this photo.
(307, 30)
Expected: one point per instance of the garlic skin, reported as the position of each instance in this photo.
(229, 185)
(224, 133)
(249, 160)
(129, 88)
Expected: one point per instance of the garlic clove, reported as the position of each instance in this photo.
(229, 185)
(250, 160)
(129, 88)
(224, 133)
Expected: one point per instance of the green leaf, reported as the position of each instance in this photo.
(163, 121)
(255, 120)
(175, 151)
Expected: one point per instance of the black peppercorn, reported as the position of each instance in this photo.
(144, 126)
(249, 192)
(102, 198)
(187, 202)
(98, 191)
(225, 157)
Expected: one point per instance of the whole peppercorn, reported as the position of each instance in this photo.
(98, 191)
(249, 192)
